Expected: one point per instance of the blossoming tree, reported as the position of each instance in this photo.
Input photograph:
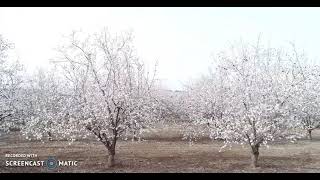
(307, 106)
(110, 87)
(10, 88)
(248, 98)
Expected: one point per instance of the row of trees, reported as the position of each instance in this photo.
(98, 86)
(255, 95)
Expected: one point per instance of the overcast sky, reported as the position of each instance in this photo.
(181, 39)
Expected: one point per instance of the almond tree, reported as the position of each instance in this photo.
(206, 102)
(10, 88)
(170, 105)
(45, 105)
(307, 106)
(110, 88)
(249, 97)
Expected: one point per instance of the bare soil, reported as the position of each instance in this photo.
(163, 150)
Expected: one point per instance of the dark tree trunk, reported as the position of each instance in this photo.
(254, 155)
(134, 137)
(110, 144)
(111, 161)
(49, 136)
(111, 152)
(309, 134)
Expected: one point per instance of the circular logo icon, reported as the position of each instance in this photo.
(51, 163)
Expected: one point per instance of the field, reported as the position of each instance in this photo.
(164, 151)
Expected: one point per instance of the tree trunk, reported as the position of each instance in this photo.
(254, 155)
(134, 136)
(309, 134)
(49, 136)
(111, 161)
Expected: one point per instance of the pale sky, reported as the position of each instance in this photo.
(181, 39)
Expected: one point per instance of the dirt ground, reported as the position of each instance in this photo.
(164, 151)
